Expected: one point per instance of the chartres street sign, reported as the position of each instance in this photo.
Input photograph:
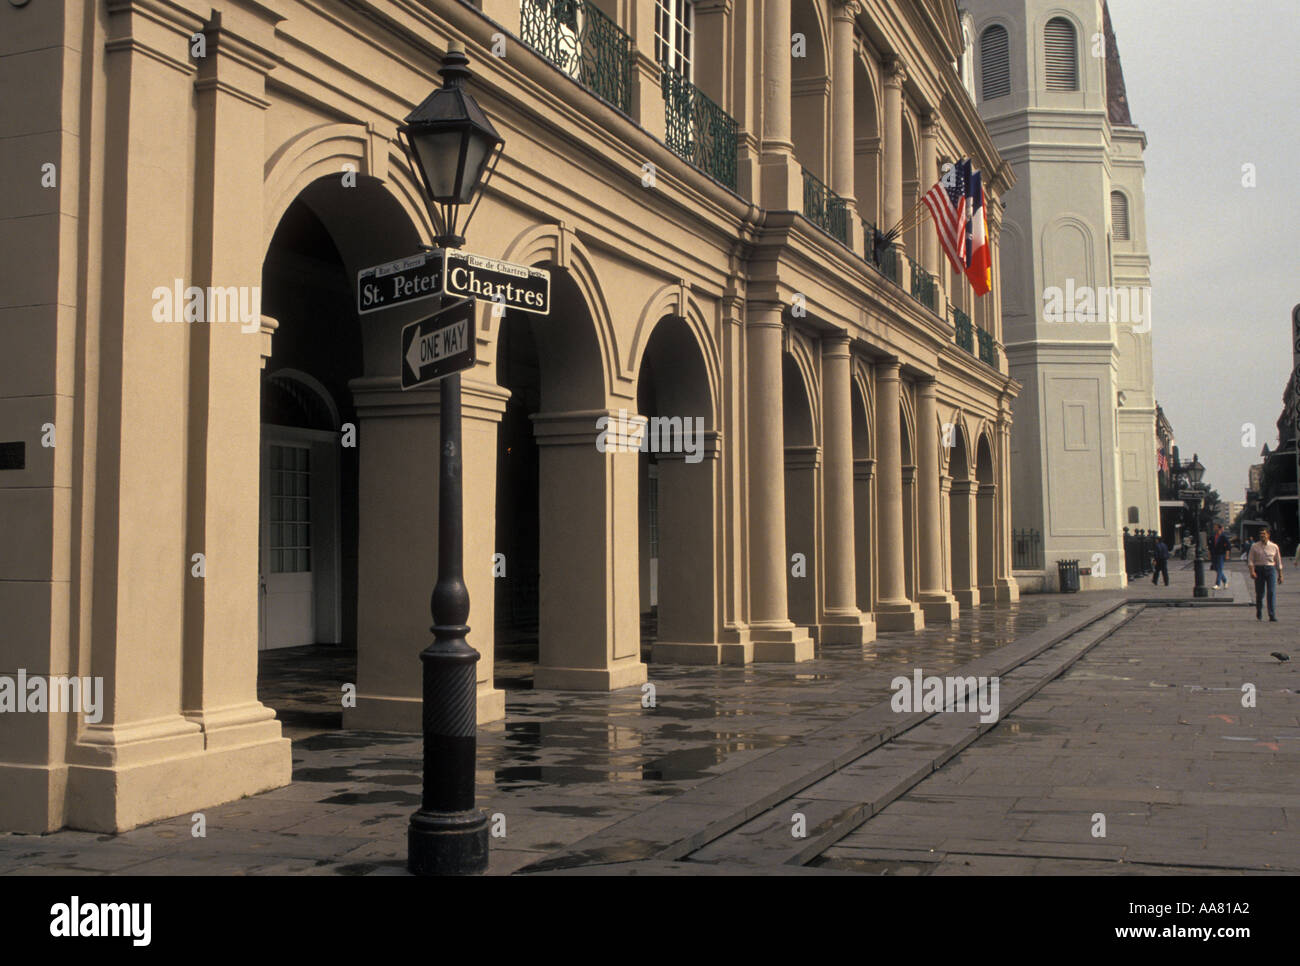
(397, 283)
(439, 345)
(508, 284)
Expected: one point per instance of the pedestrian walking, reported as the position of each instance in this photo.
(1265, 564)
(1220, 546)
(1160, 561)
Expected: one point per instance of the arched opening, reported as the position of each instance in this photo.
(676, 469)
(802, 467)
(909, 506)
(1060, 55)
(809, 87)
(312, 515)
(864, 503)
(912, 186)
(866, 143)
(987, 524)
(552, 623)
(961, 522)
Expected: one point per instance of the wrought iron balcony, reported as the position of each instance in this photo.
(965, 331)
(698, 130)
(925, 288)
(988, 348)
(824, 208)
(578, 38)
(882, 256)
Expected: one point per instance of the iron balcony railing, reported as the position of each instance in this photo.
(578, 38)
(698, 130)
(965, 331)
(824, 208)
(882, 255)
(925, 288)
(988, 348)
(1026, 550)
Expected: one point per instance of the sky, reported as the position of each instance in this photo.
(1215, 86)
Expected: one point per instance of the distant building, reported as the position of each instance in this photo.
(1076, 278)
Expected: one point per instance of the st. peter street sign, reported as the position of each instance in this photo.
(452, 272)
(439, 345)
(397, 283)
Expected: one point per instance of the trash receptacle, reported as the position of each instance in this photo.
(1068, 572)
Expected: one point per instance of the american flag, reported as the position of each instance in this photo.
(947, 204)
(1162, 461)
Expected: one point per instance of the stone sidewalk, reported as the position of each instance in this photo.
(568, 767)
(1147, 730)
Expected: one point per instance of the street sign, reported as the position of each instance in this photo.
(398, 283)
(1186, 495)
(508, 284)
(439, 345)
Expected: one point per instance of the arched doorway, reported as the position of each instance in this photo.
(864, 502)
(910, 562)
(961, 521)
(809, 87)
(986, 547)
(583, 548)
(676, 481)
(802, 476)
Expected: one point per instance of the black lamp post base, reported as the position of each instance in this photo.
(447, 843)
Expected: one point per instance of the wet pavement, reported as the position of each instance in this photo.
(561, 767)
(1134, 730)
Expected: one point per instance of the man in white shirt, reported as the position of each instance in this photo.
(1265, 563)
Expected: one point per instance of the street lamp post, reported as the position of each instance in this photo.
(1194, 473)
(452, 144)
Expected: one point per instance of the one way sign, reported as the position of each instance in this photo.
(439, 345)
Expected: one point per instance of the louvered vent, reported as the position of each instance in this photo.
(1061, 56)
(995, 62)
(1119, 216)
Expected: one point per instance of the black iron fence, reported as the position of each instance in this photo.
(1139, 549)
(1026, 550)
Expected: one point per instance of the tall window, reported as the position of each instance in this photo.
(995, 63)
(674, 21)
(1119, 215)
(1061, 55)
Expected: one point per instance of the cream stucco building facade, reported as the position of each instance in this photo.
(1076, 279)
(699, 197)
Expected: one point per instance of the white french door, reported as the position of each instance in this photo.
(286, 592)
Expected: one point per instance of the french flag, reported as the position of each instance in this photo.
(979, 266)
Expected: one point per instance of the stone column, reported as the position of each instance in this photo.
(781, 178)
(689, 613)
(894, 611)
(843, 622)
(945, 512)
(774, 636)
(964, 538)
(937, 603)
(930, 253)
(864, 544)
(589, 638)
(397, 545)
(1007, 588)
(647, 80)
(842, 114)
(986, 554)
(895, 76)
(220, 686)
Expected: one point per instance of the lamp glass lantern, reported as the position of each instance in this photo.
(1195, 470)
(452, 144)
